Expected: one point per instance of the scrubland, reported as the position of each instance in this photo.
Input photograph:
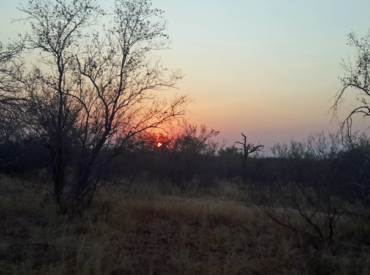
(154, 227)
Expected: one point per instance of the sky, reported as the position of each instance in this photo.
(267, 68)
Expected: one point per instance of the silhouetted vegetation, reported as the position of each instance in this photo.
(322, 161)
(92, 89)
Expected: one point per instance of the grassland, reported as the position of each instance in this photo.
(152, 227)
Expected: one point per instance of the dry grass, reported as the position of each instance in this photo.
(155, 228)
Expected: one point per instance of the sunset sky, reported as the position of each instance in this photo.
(267, 68)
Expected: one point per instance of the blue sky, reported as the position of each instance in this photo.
(267, 68)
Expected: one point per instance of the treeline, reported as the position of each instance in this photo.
(190, 152)
(321, 161)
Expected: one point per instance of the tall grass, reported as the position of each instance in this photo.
(154, 227)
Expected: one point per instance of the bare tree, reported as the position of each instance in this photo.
(93, 89)
(357, 77)
(248, 148)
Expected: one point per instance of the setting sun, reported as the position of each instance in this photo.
(159, 144)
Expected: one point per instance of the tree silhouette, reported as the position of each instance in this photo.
(357, 78)
(248, 148)
(93, 87)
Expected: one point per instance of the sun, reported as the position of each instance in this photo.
(159, 144)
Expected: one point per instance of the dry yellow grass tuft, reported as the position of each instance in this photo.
(154, 228)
